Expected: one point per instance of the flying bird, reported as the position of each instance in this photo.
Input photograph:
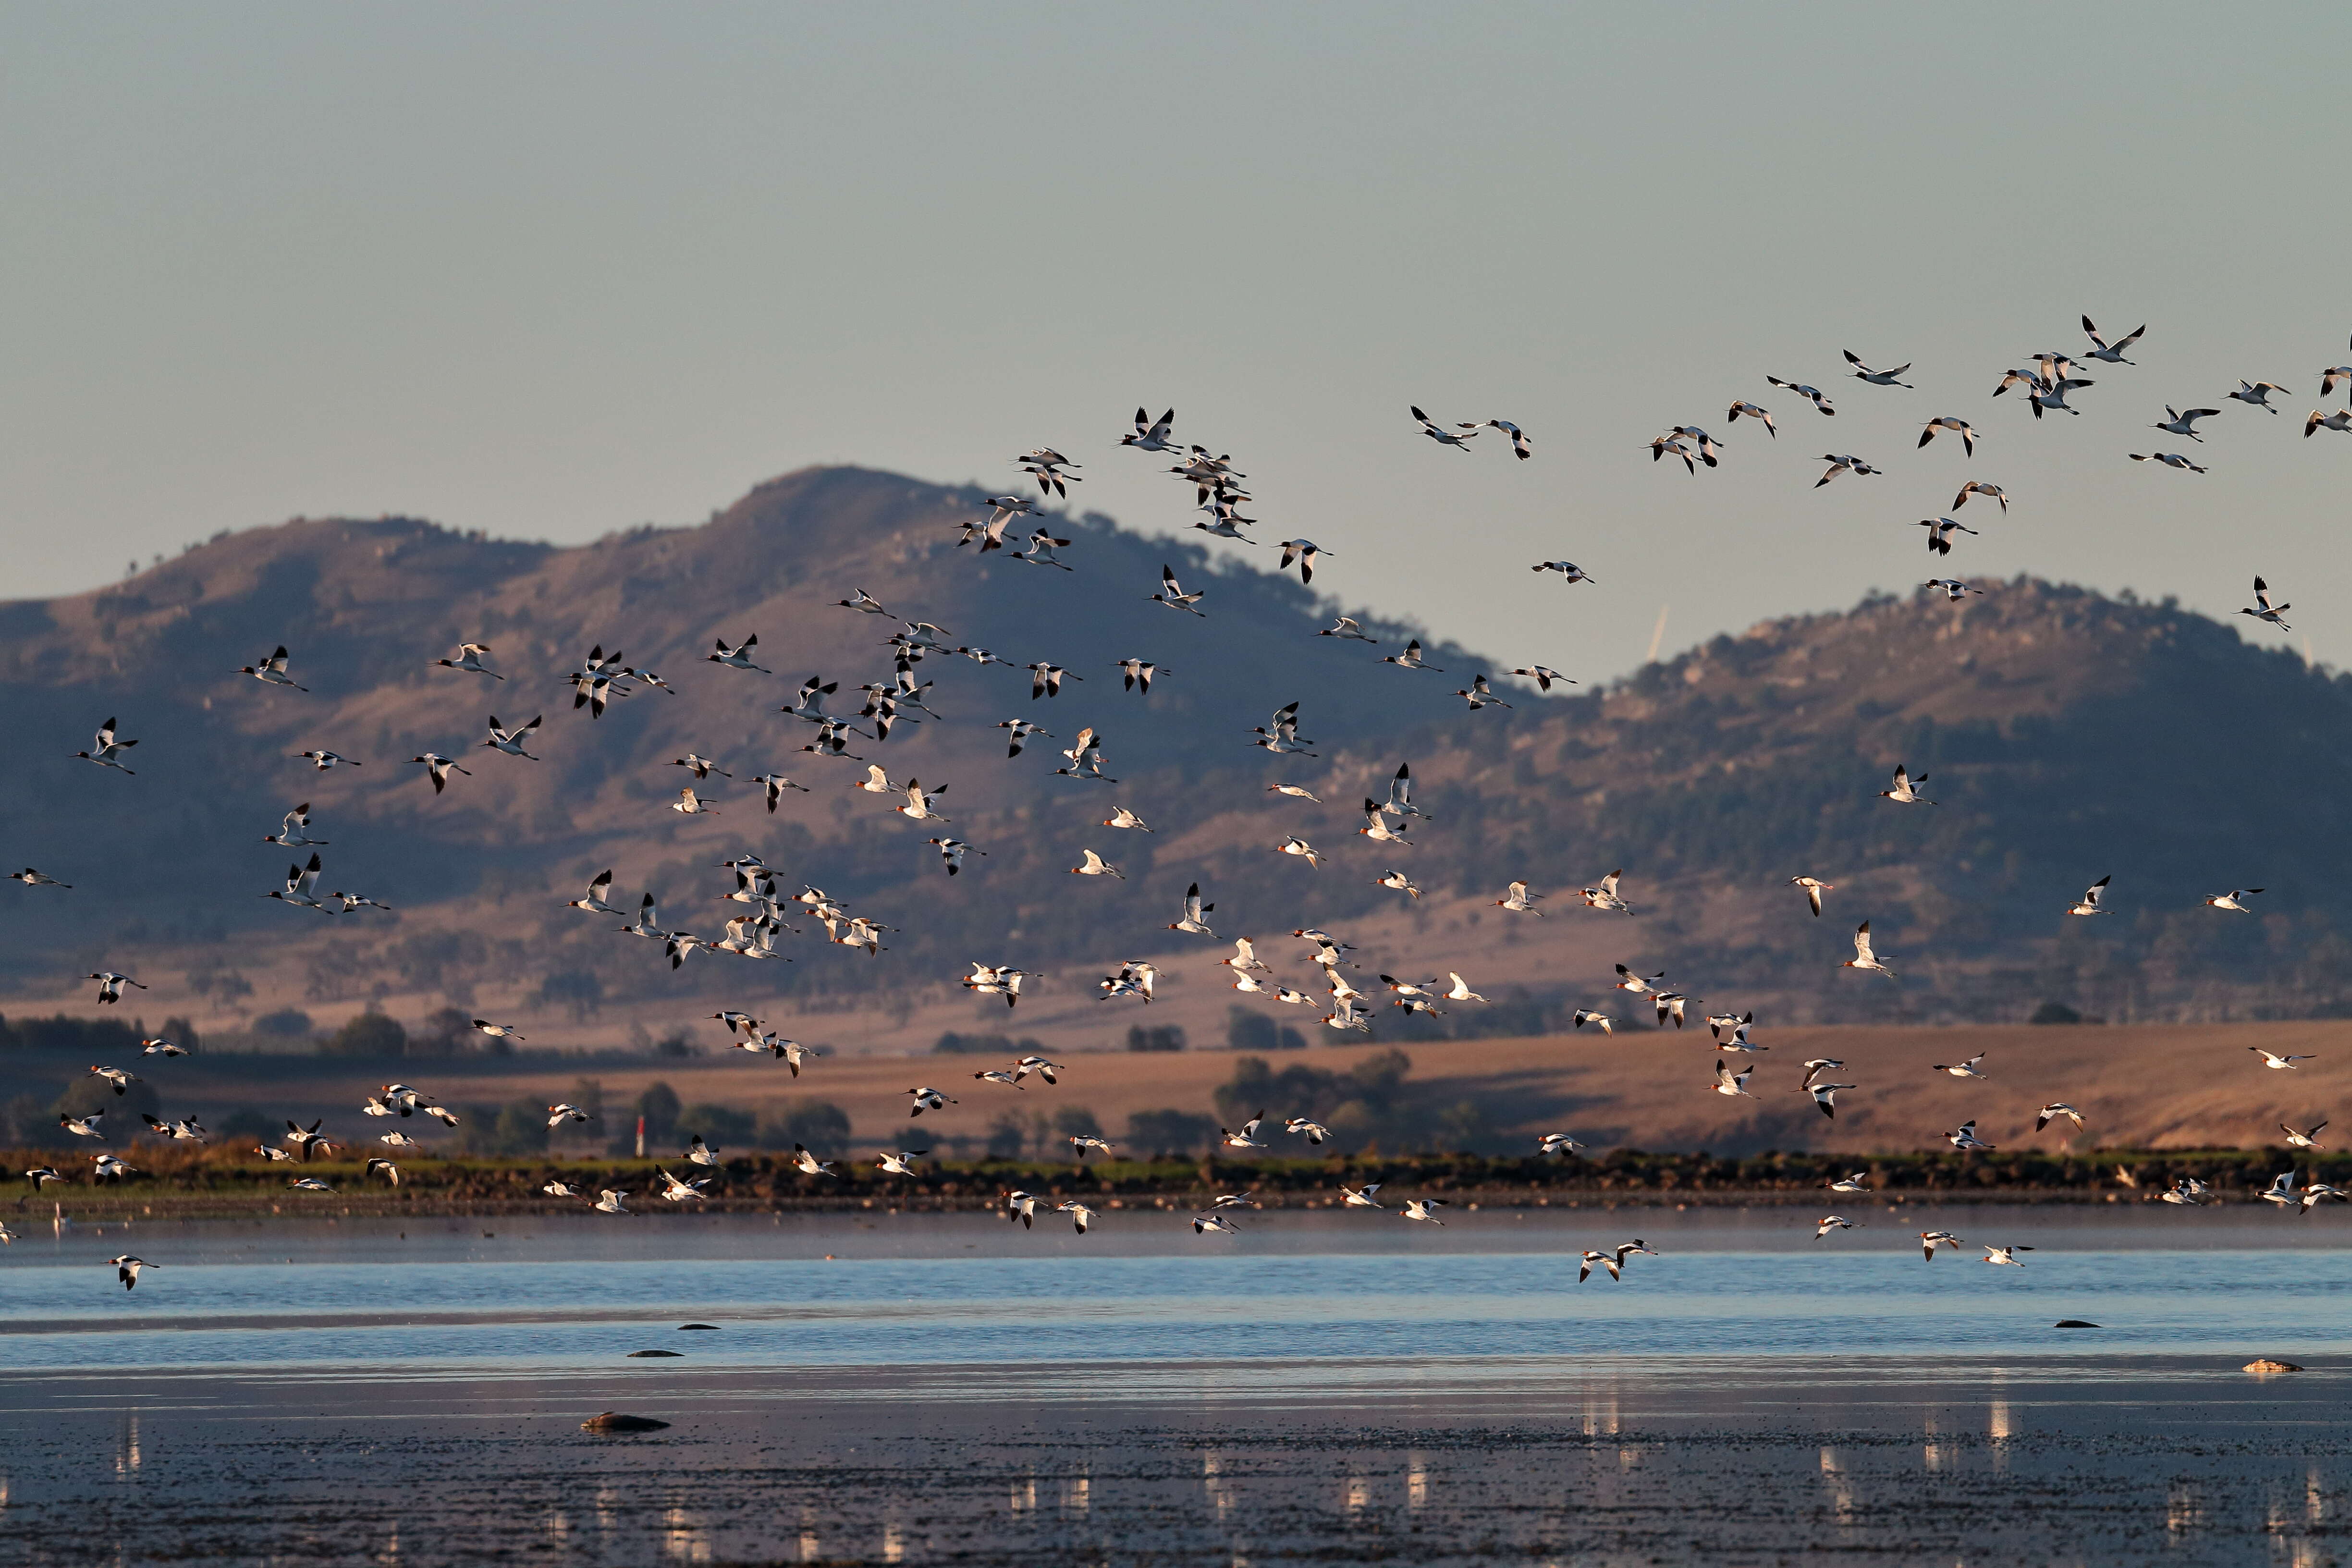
(110, 985)
(109, 749)
(1965, 431)
(1138, 673)
(1151, 435)
(1809, 394)
(1975, 488)
(1411, 657)
(1095, 865)
(1458, 438)
(1864, 957)
(1907, 789)
(736, 658)
(469, 660)
(1306, 552)
(1518, 437)
(439, 768)
(2263, 610)
(2113, 353)
(1876, 377)
(271, 671)
(2257, 393)
(1190, 922)
(1478, 694)
(1171, 594)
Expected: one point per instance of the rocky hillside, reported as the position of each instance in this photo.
(2066, 736)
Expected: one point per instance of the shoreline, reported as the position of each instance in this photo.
(173, 1181)
(84, 1207)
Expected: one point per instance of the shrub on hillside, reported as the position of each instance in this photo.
(371, 1034)
(720, 1126)
(78, 1036)
(659, 1106)
(286, 1024)
(445, 1032)
(1159, 1134)
(26, 1121)
(1248, 1031)
(86, 1094)
(519, 1128)
(819, 1124)
(244, 1122)
(1075, 1121)
(954, 1045)
(578, 992)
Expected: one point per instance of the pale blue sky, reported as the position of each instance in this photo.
(550, 270)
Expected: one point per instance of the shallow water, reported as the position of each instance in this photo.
(957, 1289)
(1328, 1388)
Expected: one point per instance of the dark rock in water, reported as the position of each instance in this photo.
(613, 1421)
(711, 1327)
(2267, 1364)
(634, 1355)
(2073, 1323)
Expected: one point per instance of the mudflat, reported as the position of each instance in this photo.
(2093, 1460)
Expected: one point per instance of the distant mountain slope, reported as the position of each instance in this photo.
(173, 855)
(2064, 736)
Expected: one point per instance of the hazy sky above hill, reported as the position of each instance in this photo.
(550, 271)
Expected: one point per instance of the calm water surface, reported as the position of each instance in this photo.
(533, 1296)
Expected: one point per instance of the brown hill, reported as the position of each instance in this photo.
(2066, 736)
(2137, 1086)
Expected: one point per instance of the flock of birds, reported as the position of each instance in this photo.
(765, 911)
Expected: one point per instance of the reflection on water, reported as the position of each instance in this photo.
(1357, 1311)
(1839, 1491)
(684, 1537)
(2078, 1475)
(1221, 1493)
(1438, 1408)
